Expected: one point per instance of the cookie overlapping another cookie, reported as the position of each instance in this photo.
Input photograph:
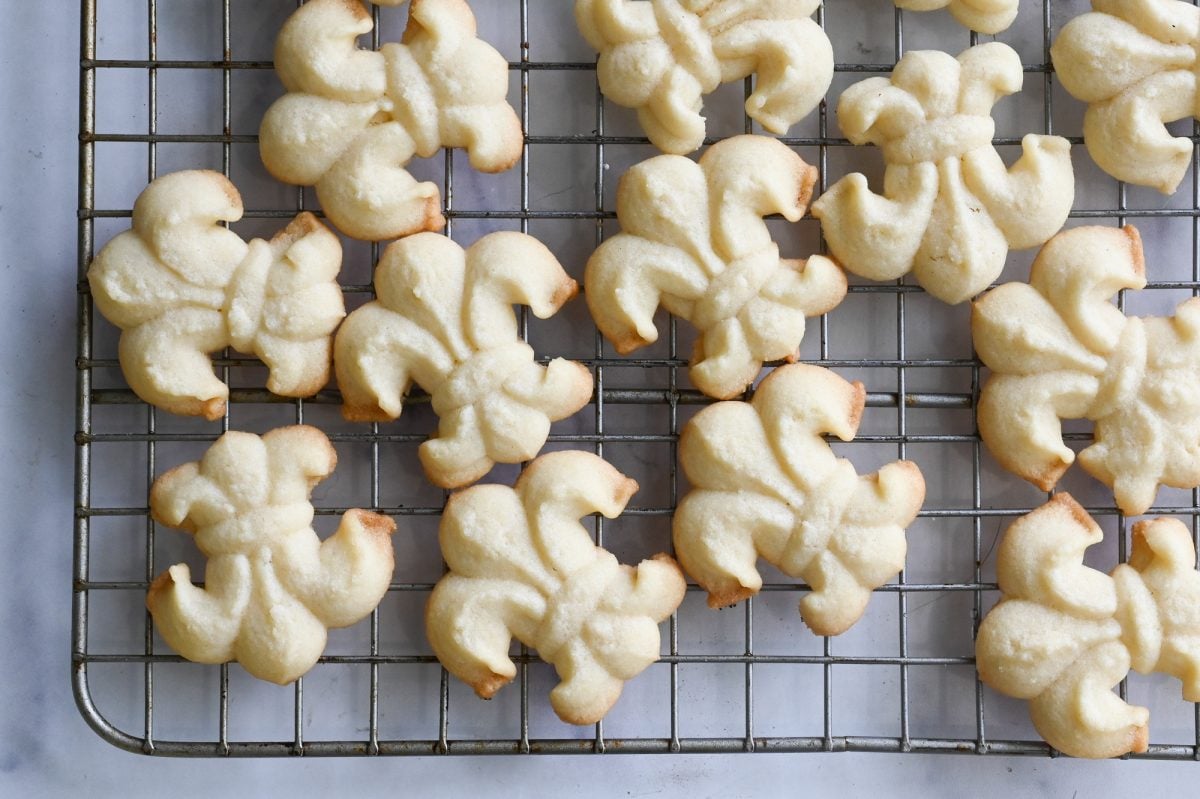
(950, 209)
(766, 484)
(180, 286)
(1064, 634)
(693, 240)
(352, 119)
(444, 320)
(661, 56)
(1134, 63)
(1058, 349)
(522, 566)
(271, 587)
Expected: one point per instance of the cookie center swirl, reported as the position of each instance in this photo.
(576, 602)
(740, 282)
(480, 377)
(1137, 613)
(690, 43)
(246, 295)
(1122, 378)
(416, 107)
(939, 139)
(826, 504)
(242, 533)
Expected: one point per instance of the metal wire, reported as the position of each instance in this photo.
(87, 590)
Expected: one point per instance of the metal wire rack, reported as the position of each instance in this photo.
(747, 679)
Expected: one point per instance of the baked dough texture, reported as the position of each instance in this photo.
(985, 16)
(271, 587)
(180, 286)
(352, 119)
(1134, 63)
(950, 210)
(522, 566)
(693, 241)
(444, 320)
(766, 484)
(1058, 350)
(1064, 634)
(661, 57)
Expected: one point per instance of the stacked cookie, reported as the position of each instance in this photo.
(694, 242)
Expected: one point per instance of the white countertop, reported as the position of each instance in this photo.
(45, 747)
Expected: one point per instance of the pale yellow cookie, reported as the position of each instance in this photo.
(271, 587)
(522, 566)
(1134, 63)
(1063, 634)
(180, 285)
(1058, 349)
(766, 484)
(985, 16)
(352, 119)
(444, 320)
(950, 209)
(661, 57)
(693, 241)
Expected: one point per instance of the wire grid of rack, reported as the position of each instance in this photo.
(132, 710)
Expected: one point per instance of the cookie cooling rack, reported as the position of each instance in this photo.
(173, 85)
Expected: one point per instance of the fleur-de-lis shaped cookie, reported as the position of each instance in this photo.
(766, 484)
(662, 56)
(985, 16)
(444, 320)
(180, 286)
(522, 566)
(1064, 634)
(1134, 63)
(1059, 350)
(693, 240)
(352, 119)
(950, 210)
(271, 586)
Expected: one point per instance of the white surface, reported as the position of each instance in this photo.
(45, 747)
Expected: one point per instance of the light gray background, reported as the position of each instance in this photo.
(45, 747)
